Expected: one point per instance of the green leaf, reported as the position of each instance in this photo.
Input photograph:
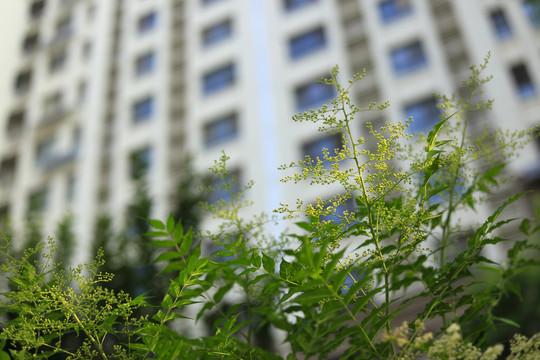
(256, 260)
(170, 255)
(525, 226)
(159, 234)
(268, 263)
(162, 243)
(186, 242)
(157, 224)
(170, 223)
(507, 321)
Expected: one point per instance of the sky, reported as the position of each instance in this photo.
(11, 24)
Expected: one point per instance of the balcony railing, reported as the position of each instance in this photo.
(54, 115)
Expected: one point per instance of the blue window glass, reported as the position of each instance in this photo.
(141, 161)
(220, 130)
(145, 64)
(307, 43)
(313, 148)
(523, 82)
(391, 10)
(220, 191)
(217, 33)
(147, 22)
(500, 24)
(219, 79)
(532, 10)
(424, 113)
(408, 58)
(313, 95)
(291, 5)
(143, 110)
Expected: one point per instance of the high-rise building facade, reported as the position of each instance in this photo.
(107, 89)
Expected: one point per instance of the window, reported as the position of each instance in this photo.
(307, 43)
(291, 5)
(81, 92)
(523, 82)
(63, 28)
(500, 24)
(313, 94)
(209, 2)
(143, 110)
(45, 152)
(220, 191)
(30, 44)
(532, 10)
(37, 201)
(217, 33)
(425, 114)
(87, 50)
(313, 148)
(22, 82)
(141, 161)
(144, 64)
(8, 167)
(147, 22)
(15, 123)
(408, 58)
(220, 130)
(36, 9)
(218, 80)
(57, 61)
(70, 188)
(52, 104)
(392, 10)
(348, 205)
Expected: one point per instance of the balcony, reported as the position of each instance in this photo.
(54, 115)
(56, 159)
(61, 36)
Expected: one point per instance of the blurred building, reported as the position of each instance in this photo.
(107, 89)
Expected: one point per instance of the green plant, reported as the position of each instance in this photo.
(343, 283)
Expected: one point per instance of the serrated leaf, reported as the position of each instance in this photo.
(170, 224)
(268, 263)
(525, 226)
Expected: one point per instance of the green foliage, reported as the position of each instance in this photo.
(338, 287)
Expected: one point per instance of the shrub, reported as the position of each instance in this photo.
(341, 285)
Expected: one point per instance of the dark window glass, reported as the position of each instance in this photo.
(220, 130)
(217, 33)
(57, 61)
(500, 24)
(523, 82)
(36, 9)
(313, 95)
(210, 2)
(218, 79)
(143, 110)
(307, 43)
(313, 148)
(30, 43)
(532, 10)
(147, 22)
(45, 153)
(291, 5)
(145, 64)
(408, 58)
(391, 10)
(15, 123)
(424, 113)
(23, 82)
(141, 161)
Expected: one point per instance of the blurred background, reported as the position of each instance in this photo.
(111, 109)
